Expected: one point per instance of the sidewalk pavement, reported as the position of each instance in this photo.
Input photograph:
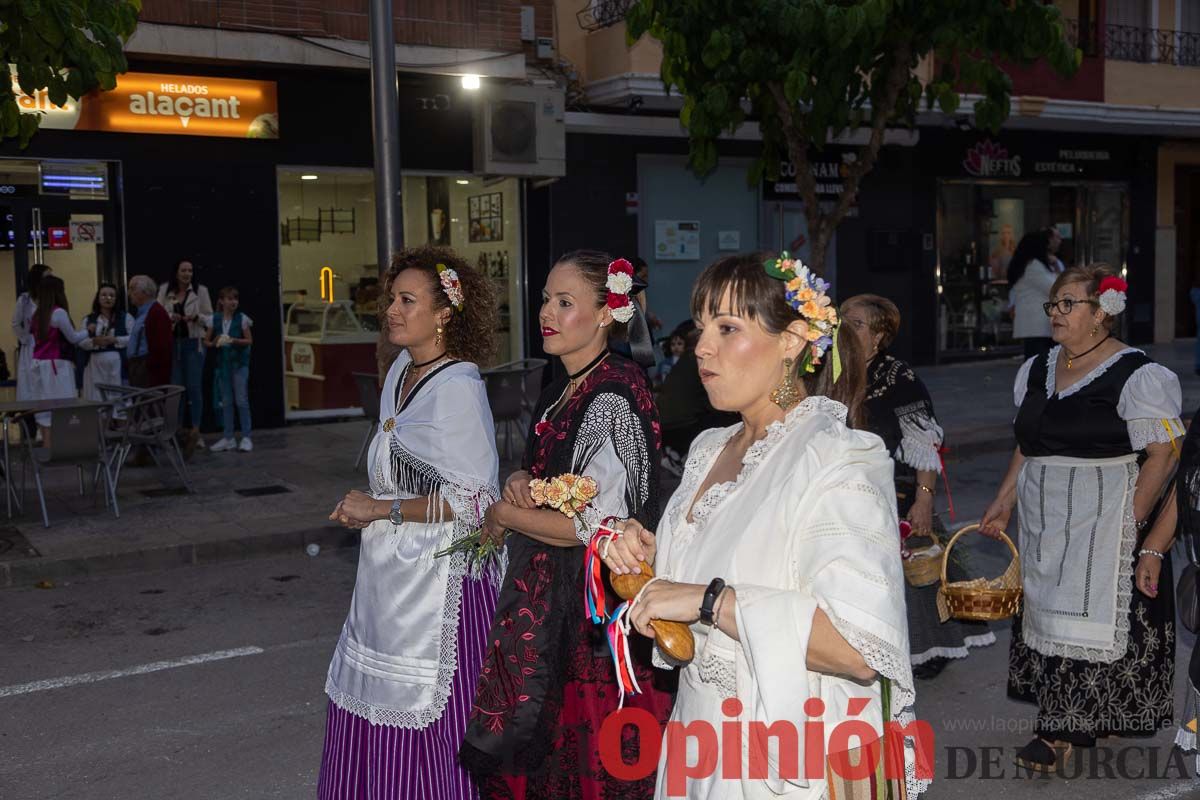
(296, 475)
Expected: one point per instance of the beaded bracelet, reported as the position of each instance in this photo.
(1146, 551)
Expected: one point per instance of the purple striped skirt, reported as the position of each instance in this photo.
(363, 761)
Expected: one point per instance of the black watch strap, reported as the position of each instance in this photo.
(710, 599)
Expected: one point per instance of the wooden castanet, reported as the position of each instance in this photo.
(673, 638)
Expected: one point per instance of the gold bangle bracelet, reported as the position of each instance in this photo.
(924, 488)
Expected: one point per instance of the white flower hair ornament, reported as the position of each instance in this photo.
(1112, 295)
(619, 284)
(451, 285)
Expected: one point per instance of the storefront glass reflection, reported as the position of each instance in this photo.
(980, 225)
(330, 278)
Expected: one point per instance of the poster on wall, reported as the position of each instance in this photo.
(485, 218)
(437, 200)
(676, 240)
(1008, 226)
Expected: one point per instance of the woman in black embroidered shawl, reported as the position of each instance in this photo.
(548, 680)
(1180, 517)
(900, 411)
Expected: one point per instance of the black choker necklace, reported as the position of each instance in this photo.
(430, 361)
(1071, 358)
(592, 365)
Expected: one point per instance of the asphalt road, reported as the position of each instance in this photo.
(206, 682)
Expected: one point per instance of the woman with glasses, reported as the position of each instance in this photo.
(1095, 432)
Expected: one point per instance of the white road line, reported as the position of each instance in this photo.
(1170, 792)
(140, 669)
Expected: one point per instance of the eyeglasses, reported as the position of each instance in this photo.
(1065, 306)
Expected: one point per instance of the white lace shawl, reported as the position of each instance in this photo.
(1151, 400)
(395, 661)
(809, 523)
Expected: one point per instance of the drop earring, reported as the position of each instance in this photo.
(786, 394)
(437, 340)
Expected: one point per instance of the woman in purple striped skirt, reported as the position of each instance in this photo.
(403, 675)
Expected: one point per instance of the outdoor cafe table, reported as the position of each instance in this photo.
(10, 409)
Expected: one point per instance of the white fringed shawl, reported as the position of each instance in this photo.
(398, 651)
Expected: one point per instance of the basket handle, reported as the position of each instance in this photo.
(970, 529)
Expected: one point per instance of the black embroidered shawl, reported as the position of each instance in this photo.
(896, 397)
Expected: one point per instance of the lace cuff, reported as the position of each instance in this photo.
(586, 523)
(1144, 432)
(920, 455)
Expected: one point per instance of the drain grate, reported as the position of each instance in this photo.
(260, 491)
(14, 546)
(174, 491)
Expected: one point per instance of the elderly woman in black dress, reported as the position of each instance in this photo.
(1095, 430)
(900, 411)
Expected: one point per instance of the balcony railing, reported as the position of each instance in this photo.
(1132, 43)
(1152, 46)
(603, 13)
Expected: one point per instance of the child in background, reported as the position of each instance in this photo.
(673, 348)
(230, 335)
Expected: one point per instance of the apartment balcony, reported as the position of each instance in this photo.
(600, 14)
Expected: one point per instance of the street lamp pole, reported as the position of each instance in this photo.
(389, 226)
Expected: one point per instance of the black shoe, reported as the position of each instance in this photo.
(1040, 756)
(930, 669)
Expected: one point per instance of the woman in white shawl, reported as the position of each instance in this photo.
(780, 549)
(404, 672)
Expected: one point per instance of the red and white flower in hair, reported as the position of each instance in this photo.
(619, 285)
(1112, 295)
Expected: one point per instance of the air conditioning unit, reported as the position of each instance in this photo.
(520, 130)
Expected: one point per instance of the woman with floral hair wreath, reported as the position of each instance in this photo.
(403, 673)
(1095, 427)
(780, 551)
(547, 683)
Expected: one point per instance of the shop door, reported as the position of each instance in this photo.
(74, 238)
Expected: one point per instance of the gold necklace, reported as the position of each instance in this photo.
(1071, 358)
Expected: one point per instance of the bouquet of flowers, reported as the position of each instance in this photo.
(568, 494)
(481, 554)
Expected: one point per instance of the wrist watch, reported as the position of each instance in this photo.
(710, 598)
(396, 515)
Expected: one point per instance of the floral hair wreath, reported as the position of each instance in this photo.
(1112, 295)
(809, 296)
(451, 285)
(619, 285)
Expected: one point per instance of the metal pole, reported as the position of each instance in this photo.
(389, 225)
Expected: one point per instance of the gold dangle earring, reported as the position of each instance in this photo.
(786, 394)
(437, 341)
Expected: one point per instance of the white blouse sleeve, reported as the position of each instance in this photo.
(1022, 382)
(123, 341)
(62, 320)
(920, 440)
(1151, 403)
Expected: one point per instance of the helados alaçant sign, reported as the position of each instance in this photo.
(144, 102)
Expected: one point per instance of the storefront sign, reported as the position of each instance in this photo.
(303, 360)
(676, 240)
(58, 238)
(990, 160)
(145, 102)
(828, 168)
(1026, 157)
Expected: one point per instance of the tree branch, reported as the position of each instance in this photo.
(897, 79)
(797, 146)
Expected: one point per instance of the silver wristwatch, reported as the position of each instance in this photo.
(396, 515)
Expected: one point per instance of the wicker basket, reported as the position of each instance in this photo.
(921, 569)
(980, 599)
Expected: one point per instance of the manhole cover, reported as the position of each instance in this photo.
(14, 546)
(175, 491)
(259, 491)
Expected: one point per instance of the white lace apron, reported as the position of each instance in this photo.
(1077, 536)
